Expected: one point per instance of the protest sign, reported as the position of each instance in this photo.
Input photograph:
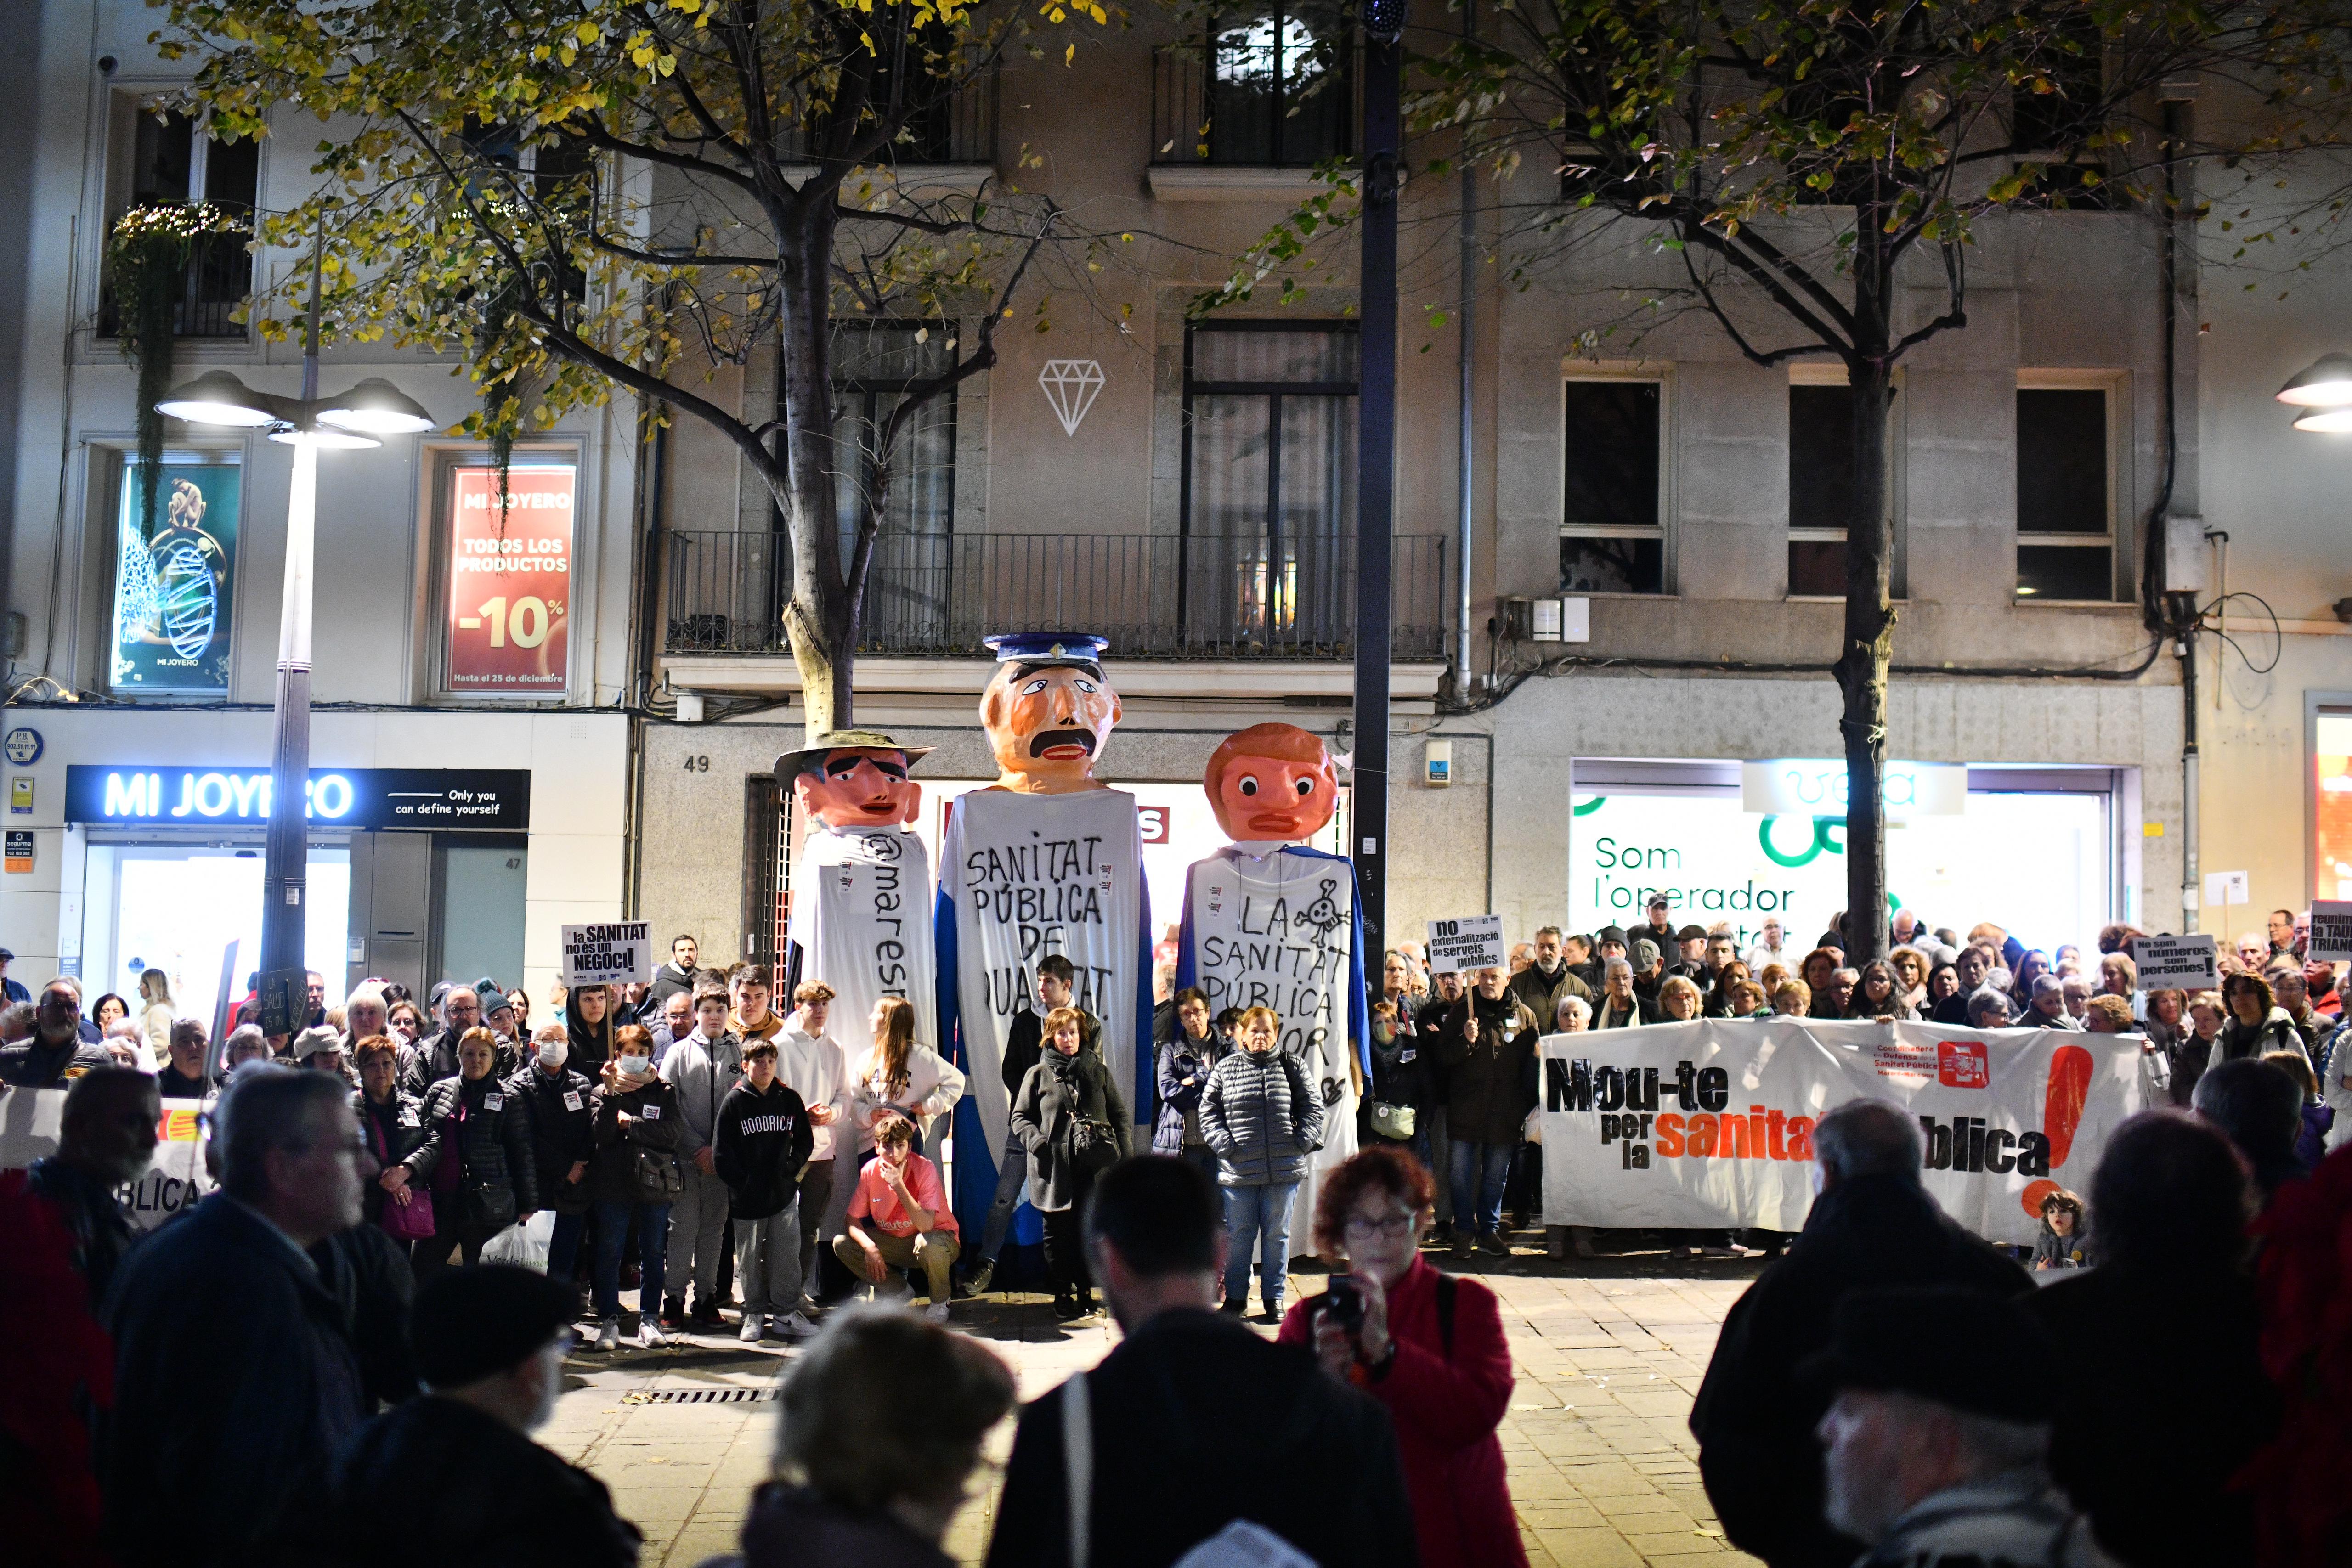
(611, 952)
(2174, 963)
(1708, 1125)
(1474, 942)
(2331, 932)
(175, 1177)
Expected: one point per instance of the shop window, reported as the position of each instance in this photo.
(1269, 84)
(162, 159)
(1270, 485)
(172, 625)
(2065, 509)
(1612, 533)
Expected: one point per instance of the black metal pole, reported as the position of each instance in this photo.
(1376, 461)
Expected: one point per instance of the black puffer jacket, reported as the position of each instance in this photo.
(491, 1138)
(653, 1129)
(392, 1131)
(562, 1133)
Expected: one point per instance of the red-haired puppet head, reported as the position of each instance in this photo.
(1271, 781)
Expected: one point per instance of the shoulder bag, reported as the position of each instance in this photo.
(404, 1222)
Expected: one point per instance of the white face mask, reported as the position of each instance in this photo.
(551, 1055)
(636, 1066)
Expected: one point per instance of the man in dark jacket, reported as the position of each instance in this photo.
(1543, 983)
(763, 1139)
(62, 1046)
(562, 1140)
(1188, 1393)
(234, 1382)
(436, 1055)
(453, 1479)
(1486, 1052)
(1429, 1026)
(675, 976)
(1873, 1227)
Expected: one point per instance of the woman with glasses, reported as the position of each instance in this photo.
(1427, 1345)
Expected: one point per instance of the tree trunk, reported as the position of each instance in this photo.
(1863, 658)
(821, 618)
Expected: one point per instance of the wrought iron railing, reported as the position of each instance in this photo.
(219, 276)
(1154, 596)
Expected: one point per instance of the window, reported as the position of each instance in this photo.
(1611, 536)
(1269, 486)
(1820, 488)
(907, 588)
(2050, 128)
(1269, 84)
(164, 158)
(2066, 513)
(2329, 727)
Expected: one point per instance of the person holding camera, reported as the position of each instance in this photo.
(1427, 1345)
(1072, 1122)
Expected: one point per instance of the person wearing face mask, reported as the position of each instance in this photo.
(476, 1159)
(457, 1470)
(562, 1140)
(634, 1176)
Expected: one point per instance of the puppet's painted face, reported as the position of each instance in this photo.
(1260, 796)
(1047, 726)
(860, 786)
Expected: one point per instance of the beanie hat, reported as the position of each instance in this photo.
(471, 1323)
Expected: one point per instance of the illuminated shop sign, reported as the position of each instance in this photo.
(1796, 787)
(347, 797)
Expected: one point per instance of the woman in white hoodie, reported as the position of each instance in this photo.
(902, 1074)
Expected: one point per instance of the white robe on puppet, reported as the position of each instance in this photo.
(1277, 926)
(861, 923)
(1021, 876)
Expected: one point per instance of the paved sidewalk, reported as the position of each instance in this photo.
(1603, 1467)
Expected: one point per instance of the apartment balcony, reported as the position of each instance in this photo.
(219, 276)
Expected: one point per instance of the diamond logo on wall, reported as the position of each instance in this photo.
(1071, 386)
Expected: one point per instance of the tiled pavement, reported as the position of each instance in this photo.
(1603, 1467)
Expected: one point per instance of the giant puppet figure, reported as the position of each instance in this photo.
(861, 890)
(1047, 860)
(1270, 923)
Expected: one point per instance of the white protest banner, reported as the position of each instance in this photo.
(615, 953)
(176, 1178)
(1708, 1125)
(1033, 875)
(2176, 962)
(1472, 942)
(2331, 932)
(862, 919)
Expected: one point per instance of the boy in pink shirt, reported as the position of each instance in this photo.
(899, 1216)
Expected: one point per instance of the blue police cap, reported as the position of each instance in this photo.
(1047, 648)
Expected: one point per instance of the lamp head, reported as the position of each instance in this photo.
(2326, 421)
(375, 407)
(2324, 383)
(217, 397)
(1384, 20)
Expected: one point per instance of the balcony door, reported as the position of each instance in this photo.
(1268, 553)
(910, 586)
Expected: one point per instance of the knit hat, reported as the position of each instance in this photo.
(1973, 1353)
(492, 997)
(470, 1324)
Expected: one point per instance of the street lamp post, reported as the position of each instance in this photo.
(355, 419)
(1376, 459)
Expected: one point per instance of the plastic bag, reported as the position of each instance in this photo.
(524, 1245)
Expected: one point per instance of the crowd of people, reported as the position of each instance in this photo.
(335, 1358)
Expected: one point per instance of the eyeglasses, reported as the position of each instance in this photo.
(1359, 1229)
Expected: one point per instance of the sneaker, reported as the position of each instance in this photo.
(1235, 1305)
(1066, 1307)
(705, 1316)
(673, 1311)
(795, 1325)
(750, 1332)
(1493, 1242)
(1273, 1313)
(1442, 1233)
(1679, 1252)
(1580, 1240)
(937, 1312)
(649, 1335)
(608, 1337)
(1462, 1244)
(893, 1289)
(1721, 1253)
(977, 1281)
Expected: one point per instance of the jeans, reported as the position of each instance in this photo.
(1257, 1219)
(1011, 1186)
(768, 1262)
(564, 1247)
(653, 1238)
(697, 1233)
(1479, 1170)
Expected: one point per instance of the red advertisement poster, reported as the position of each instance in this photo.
(510, 579)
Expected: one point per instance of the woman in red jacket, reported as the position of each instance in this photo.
(1428, 1345)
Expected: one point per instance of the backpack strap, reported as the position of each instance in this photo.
(1447, 1285)
(1077, 1466)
